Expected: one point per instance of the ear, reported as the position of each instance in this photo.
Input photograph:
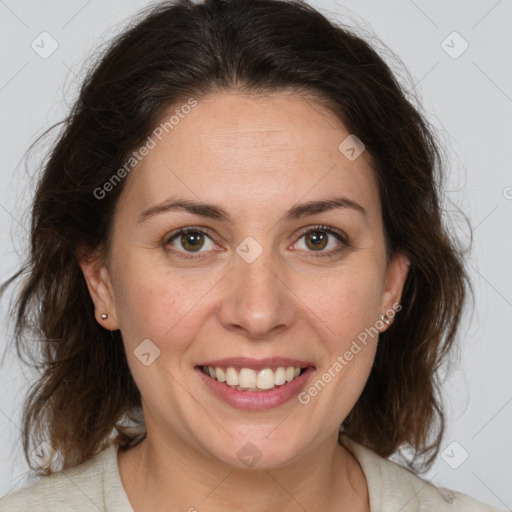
(396, 274)
(100, 288)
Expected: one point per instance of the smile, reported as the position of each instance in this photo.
(247, 379)
(254, 384)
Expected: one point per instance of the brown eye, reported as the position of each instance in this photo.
(190, 241)
(322, 241)
(316, 240)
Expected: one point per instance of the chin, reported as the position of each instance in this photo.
(263, 448)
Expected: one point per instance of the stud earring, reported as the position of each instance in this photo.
(104, 316)
(385, 319)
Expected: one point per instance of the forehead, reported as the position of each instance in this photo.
(262, 149)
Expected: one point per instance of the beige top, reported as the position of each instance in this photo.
(96, 486)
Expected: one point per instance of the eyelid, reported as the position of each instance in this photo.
(320, 227)
(181, 231)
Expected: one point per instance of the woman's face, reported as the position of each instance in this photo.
(265, 280)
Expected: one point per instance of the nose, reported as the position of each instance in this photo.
(258, 300)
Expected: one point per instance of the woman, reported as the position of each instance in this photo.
(240, 275)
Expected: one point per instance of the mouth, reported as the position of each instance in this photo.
(248, 379)
(255, 384)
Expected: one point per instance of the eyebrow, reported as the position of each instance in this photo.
(215, 212)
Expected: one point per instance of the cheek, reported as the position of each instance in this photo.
(343, 305)
(344, 309)
(158, 303)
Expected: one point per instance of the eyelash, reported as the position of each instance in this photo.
(341, 237)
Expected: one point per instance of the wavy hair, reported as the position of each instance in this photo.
(85, 397)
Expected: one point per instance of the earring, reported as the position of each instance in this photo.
(385, 319)
(104, 316)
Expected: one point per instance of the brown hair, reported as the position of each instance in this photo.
(178, 50)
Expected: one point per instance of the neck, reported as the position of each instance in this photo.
(171, 475)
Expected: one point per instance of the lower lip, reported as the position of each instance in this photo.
(256, 400)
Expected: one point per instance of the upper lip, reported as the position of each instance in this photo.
(256, 364)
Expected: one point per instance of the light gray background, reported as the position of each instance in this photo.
(468, 99)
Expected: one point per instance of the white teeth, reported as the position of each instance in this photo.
(231, 377)
(221, 376)
(266, 379)
(280, 376)
(247, 379)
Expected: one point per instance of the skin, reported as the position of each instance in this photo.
(256, 157)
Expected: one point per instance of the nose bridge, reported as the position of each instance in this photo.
(257, 301)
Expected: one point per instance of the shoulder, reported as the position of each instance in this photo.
(394, 487)
(80, 488)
